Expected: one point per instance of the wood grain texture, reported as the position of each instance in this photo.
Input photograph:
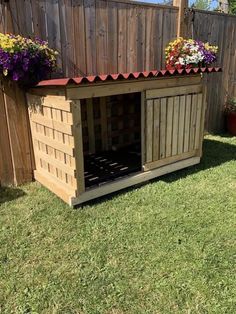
(16, 125)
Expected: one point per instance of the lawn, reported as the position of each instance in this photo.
(168, 246)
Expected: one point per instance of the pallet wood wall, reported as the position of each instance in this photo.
(53, 130)
(16, 158)
(174, 120)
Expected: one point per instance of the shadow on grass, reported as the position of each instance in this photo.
(8, 194)
(215, 153)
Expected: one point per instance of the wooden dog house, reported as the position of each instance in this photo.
(99, 134)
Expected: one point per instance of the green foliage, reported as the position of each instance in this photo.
(202, 5)
(232, 6)
(166, 247)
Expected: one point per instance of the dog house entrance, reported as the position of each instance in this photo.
(111, 128)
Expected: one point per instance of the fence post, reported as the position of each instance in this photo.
(181, 22)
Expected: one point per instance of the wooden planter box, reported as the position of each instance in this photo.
(95, 138)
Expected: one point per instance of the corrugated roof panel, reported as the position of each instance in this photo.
(125, 76)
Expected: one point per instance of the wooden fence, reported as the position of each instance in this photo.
(16, 157)
(96, 36)
(218, 29)
(101, 36)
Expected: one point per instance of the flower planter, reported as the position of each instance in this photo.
(231, 123)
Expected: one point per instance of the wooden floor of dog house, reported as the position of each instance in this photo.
(108, 166)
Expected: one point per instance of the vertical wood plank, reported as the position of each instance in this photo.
(156, 129)
(193, 122)
(69, 28)
(175, 126)
(104, 130)
(79, 43)
(6, 167)
(163, 128)
(198, 121)
(181, 125)
(102, 36)
(112, 37)
(143, 128)
(122, 37)
(187, 122)
(169, 125)
(17, 115)
(132, 39)
(90, 30)
(90, 121)
(141, 39)
(149, 130)
(79, 156)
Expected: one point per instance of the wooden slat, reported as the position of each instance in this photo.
(79, 43)
(175, 126)
(163, 128)
(104, 130)
(17, 121)
(193, 122)
(102, 36)
(187, 122)
(35, 102)
(169, 160)
(115, 88)
(79, 155)
(149, 130)
(132, 38)
(6, 167)
(169, 124)
(90, 39)
(164, 92)
(53, 143)
(53, 124)
(197, 142)
(143, 128)
(55, 162)
(112, 37)
(90, 121)
(201, 135)
(181, 125)
(156, 129)
(54, 185)
(122, 38)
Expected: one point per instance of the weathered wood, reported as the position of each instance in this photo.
(6, 167)
(149, 130)
(181, 22)
(16, 118)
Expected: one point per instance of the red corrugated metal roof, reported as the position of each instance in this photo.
(125, 76)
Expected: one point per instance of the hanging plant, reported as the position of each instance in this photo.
(25, 60)
(188, 53)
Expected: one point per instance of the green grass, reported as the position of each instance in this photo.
(166, 247)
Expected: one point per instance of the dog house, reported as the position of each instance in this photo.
(99, 134)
